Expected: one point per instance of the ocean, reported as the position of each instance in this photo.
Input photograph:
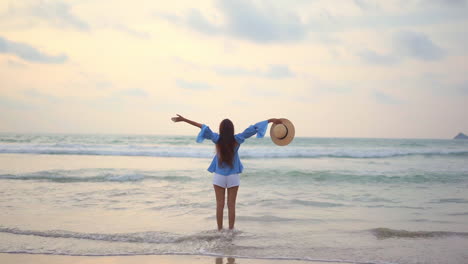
(351, 200)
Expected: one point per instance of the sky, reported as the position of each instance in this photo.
(335, 68)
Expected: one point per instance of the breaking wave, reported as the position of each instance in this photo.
(206, 151)
(384, 233)
(272, 175)
(139, 237)
(72, 176)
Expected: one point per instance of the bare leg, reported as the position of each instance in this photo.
(232, 195)
(220, 193)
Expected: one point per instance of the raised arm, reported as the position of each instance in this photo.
(180, 118)
(258, 128)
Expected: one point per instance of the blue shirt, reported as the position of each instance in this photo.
(206, 133)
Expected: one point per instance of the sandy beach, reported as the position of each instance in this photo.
(163, 259)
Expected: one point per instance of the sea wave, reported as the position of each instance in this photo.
(71, 176)
(107, 150)
(324, 176)
(203, 243)
(273, 176)
(139, 237)
(206, 151)
(451, 200)
(384, 233)
(148, 237)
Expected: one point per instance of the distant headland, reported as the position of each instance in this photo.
(461, 136)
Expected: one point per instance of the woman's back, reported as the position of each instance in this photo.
(221, 168)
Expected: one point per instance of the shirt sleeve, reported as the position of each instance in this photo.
(259, 129)
(206, 133)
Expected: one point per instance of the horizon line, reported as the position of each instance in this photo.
(186, 135)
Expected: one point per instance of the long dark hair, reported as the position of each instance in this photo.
(226, 143)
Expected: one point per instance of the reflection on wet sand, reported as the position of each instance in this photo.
(230, 260)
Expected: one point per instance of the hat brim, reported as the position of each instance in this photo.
(289, 136)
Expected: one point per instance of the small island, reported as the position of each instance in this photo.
(461, 136)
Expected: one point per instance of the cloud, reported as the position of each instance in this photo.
(248, 21)
(406, 44)
(257, 24)
(417, 45)
(198, 86)
(9, 103)
(462, 88)
(240, 103)
(60, 15)
(116, 24)
(336, 88)
(88, 79)
(373, 57)
(33, 93)
(234, 71)
(133, 92)
(29, 53)
(365, 5)
(433, 84)
(129, 31)
(263, 22)
(186, 63)
(420, 4)
(196, 20)
(57, 14)
(319, 87)
(101, 84)
(444, 3)
(377, 15)
(15, 64)
(264, 92)
(275, 71)
(384, 98)
(279, 72)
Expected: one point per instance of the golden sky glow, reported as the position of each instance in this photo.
(335, 68)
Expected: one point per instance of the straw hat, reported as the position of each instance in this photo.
(282, 134)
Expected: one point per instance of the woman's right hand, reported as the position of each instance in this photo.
(178, 118)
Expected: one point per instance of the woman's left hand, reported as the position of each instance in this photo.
(275, 121)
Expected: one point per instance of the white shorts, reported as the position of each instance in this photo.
(226, 181)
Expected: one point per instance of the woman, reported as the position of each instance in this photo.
(226, 165)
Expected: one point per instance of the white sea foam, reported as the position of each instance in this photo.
(201, 243)
(263, 175)
(383, 233)
(208, 152)
(95, 175)
(141, 237)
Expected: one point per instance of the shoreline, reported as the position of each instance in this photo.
(23, 258)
